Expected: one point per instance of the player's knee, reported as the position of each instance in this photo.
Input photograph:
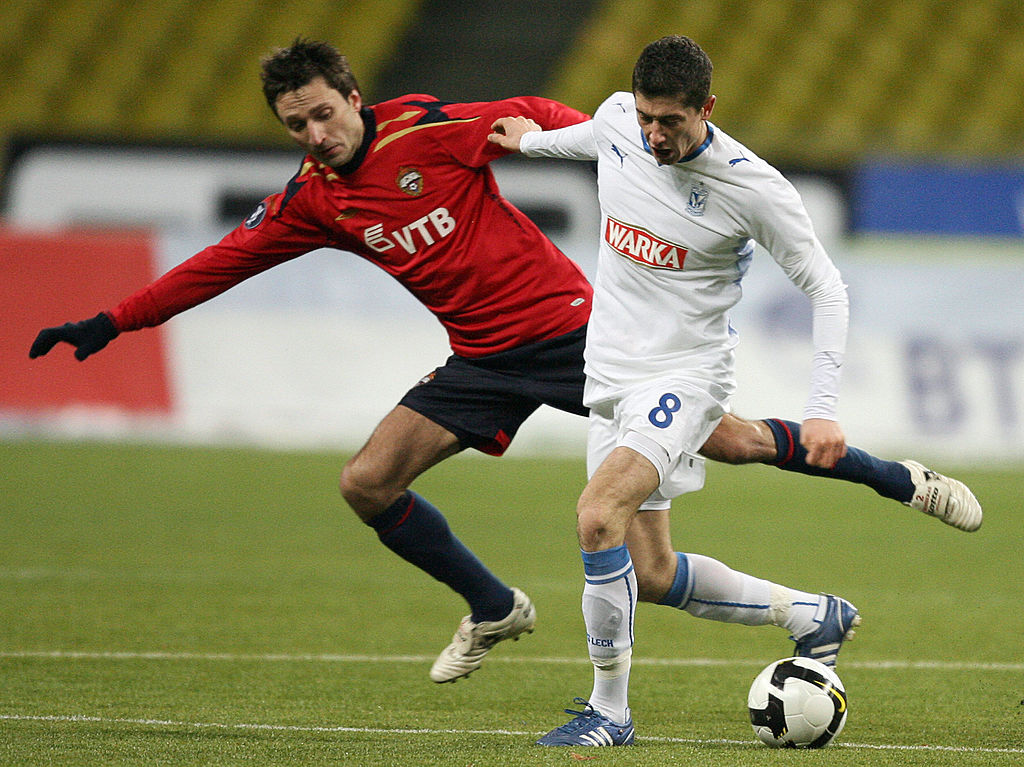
(366, 493)
(596, 526)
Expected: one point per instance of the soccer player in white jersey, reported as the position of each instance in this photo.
(682, 206)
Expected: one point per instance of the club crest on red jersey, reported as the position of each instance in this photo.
(410, 181)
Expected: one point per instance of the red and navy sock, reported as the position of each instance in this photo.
(415, 530)
(887, 478)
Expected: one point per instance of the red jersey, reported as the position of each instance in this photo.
(419, 200)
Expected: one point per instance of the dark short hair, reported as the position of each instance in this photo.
(674, 67)
(288, 69)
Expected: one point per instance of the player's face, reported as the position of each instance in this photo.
(322, 121)
(672, 130)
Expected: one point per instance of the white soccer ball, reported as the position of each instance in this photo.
(797, 703)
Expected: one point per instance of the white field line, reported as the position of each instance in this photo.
(257, 727)
(928, 665)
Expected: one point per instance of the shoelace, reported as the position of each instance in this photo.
(576, 723)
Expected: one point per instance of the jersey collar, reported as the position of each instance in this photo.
(692, 155)
(369, 134)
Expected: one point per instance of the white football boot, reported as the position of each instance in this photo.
(472, 641)
(939, 496)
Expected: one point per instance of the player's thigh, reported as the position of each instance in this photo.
(667, 421)
(612, 496)
(404, 445)
(736, 440)
(483, 408)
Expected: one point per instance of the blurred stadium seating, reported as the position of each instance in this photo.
(816, 84)
(823, 83)
(173, 70)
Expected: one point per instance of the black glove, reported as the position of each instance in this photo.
(87, 336)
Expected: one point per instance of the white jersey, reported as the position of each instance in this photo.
(676, 242)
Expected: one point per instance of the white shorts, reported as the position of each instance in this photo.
(665, 420)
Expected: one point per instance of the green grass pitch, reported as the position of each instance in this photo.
(189, 606)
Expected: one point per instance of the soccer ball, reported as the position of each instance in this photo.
(797, 703)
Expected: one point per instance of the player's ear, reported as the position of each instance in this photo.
(705, 111)
(355, 100)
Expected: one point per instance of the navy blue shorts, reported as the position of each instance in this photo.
(484, 401)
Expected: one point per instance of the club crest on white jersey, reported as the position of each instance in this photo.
(698, 199)
(643, 247)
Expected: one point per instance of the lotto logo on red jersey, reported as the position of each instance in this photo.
(643, 247)
(426, 230)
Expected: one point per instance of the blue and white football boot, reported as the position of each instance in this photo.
(590, 728)
(836, 620)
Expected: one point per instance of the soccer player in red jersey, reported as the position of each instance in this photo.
(406, 185)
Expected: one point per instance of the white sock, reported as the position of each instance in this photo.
(609, 604)
(798, 611)
(722, 594)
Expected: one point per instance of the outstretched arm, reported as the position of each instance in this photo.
(780, 223)
(247, 250)
(87, 336)
(506, 132)
(521, 134)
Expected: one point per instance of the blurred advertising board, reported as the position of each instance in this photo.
(934, 366)
(926, 198)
